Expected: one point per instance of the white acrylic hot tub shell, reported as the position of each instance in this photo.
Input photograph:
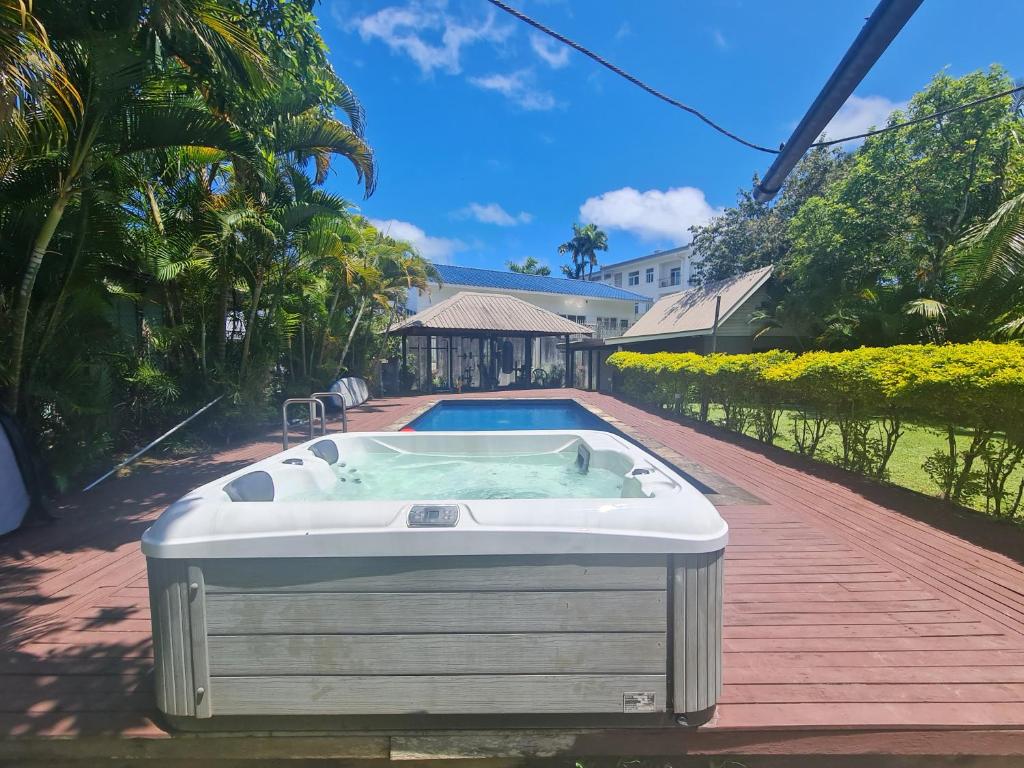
(263, 610)
(675, 518)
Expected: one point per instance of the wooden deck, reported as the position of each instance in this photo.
(860, 621)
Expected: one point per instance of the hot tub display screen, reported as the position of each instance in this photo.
(434, 516)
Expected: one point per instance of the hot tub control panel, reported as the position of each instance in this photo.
(433, 516)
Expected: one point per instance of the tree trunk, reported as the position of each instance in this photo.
(327, 326)
(202, 350)
(351, 335)
(24, 299)
(250, 326)
(222, 314)
(62, 296)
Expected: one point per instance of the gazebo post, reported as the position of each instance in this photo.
(405, 356)
(451, 381)
(480, 365)
(430, 363)
(567, 379)
(528, 359)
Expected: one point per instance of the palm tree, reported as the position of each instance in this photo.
(990, 268)
(155, 182)
(128, 106)
(586, 241)
(529, 266)
(386, 270)
(32, 75)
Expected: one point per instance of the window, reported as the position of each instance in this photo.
(607, 275)
(636, 307)
(649, 275)
(634, 278)
(693, 281)
(234, 325)
(673, 276)
(581, 319)
(623, 324)
(617, 279)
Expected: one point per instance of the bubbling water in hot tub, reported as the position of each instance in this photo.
(434, 477)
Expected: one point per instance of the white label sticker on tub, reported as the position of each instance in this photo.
(638, 701)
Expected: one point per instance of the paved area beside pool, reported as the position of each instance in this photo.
(860, 620)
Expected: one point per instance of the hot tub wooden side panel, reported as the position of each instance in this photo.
(172, 636)
(443, 635)
(697, 631)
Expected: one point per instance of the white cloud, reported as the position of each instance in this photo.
(719, 39)
(439, 249)
(428, 34)
(860, 114)
(492, 213)
(554, 54)
(650, 215)
(518, 87)
(624, 31)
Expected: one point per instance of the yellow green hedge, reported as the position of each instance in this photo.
(867, 395)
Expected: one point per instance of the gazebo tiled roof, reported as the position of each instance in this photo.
(488, 312)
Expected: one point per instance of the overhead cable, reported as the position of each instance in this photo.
(701, 116)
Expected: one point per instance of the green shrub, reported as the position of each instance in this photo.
(971, 393)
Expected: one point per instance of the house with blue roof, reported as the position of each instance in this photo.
(608, 309)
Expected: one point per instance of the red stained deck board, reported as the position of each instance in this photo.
(954, 693)
(773, 715)
(841, 612)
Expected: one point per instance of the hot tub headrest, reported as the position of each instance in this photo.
(254, 486)
(326, 450)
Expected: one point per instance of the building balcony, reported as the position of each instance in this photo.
(601, 332)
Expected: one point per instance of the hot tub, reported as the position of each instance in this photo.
(541, 573)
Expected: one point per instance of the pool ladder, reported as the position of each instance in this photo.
(315, 401)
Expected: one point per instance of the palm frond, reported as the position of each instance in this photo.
(994, 249)
(931, 310)
(147, 126)
(312, 136)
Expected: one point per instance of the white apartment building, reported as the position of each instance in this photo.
(654, 276)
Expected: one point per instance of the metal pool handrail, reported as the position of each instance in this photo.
(312, 402)
(141, 451)
(340, 399)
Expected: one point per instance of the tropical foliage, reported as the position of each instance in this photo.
(972, 395)
(529, 266)
(164, 233)
(586, 241)
(908, 238)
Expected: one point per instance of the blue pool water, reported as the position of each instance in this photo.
(484, 415)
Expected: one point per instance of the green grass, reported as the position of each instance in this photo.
(904, 468)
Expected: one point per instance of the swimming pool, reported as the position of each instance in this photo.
(490, 415)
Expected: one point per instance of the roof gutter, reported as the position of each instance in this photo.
(878, 32)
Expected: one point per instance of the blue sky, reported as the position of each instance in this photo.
(493, 140)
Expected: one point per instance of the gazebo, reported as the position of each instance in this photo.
(486, 341)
